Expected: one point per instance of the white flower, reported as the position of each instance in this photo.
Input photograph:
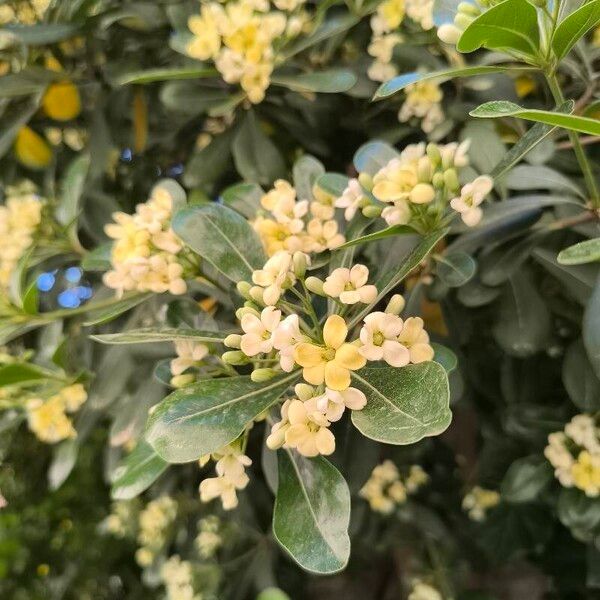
(379, 336)
(258, 332)
(189, 353)
(308, 431)
(471, 196)
(416, 339)
(381, 71)
(285, 338)
(231, 476)
(333, 403)
(324, 235)
(350, 285)
(350, 199)
(398, 214)
(281, 202)
(274, 276)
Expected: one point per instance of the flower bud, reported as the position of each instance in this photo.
(449, 34)
(256, 293)
(233, 340)
(422, 193)
(438, 181)
(262, 375)
(315, 285)
(371, 211)
(451, 180)
(180, 381)
(462, 20)
(433, 152)
(244, 310)
(366, 181)
(276, 438)
(469, 9)
(424, 169)
(301, 262)
(234, 357)
(395, 305)
(304, 391)
(243, 287)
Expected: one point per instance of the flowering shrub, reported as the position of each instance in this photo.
(293, 288)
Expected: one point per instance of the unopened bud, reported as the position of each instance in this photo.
(462, 20)
(314, 285)
(262, 375)
(233, 340)
(182, 380)
(469, 9)
(395, 305)
(301, 262)
(372, 211)
(244, 310)
(438, 181)
(234, 357)
(449, 33)
(434, 154)
(366, 181)
(243, 287)
(451, 180)
(422, 193)
(256, 293)
(424, 169)
(304, 391)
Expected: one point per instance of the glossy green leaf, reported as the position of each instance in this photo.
(42, 33)
(403, 405)
(591, 328)
(400, 82)
(256, 157)
(379, 235)
(222, 237)
(140, 469)
(510, 26)
(577, 511)
(526, 479)
(333, 183)
(204, 417)
(445, 357)
(581, 253)
(243, 198)
(373, 156)
(151, 335)
(31, 299)
(72, 188)
(207, 165)
(21, 373)
(455, 269)
(98, 259)
(326, 82)
(579, 379)
(394, 277)
(503, 108)
(312, 513)
(306, 171)
(574, 27)
(539, 177)
(165, 74)
(103, 314)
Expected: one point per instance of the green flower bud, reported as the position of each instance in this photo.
(314, 285)
(240, 312)
(256, 293)
(182, 380)
(366, 181)
(371, 211)
(243, 287)
(434, 154)
(438, 181)
(304, 391)
(262, 375)
(424, 169)
(233, 340)
(234, 357)
(300, 264)
(451, 180)
(468, 9)
(462, 21)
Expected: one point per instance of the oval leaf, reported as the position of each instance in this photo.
(456, 269)
(312, 513)
(325, 82)
(591, 328)
(580, 254)
(372, 156)
(403, 405)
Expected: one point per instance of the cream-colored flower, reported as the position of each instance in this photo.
(421, 12)
(379, 337)
(586, 473)
(206, 42)
(323, 206)
(308, 432)
(231, 477)
(351, 199)
(48, 421)
(423, 101)
(275, 276)
(324, 235)
(281, 203)
(381, 71)
(395, 181)
(333, 403)
(471, 196)
(189, 354)
(350, 285)
(423, 591)
(397, 214)
(276, 438)
(258, 331)
(73, 396)
(478, 501)
(286, 337)
(416, 339)
(333, 362)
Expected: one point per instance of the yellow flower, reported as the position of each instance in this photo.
(332, 362)
(392, 12)
(73, 396)
(31, 149)
(525, 85)
(308, 431)
(61, 101)
(586, 473)
(48, 420)
(207, 40)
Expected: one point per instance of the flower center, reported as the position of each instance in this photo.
(328, 354)
(378, 338)
(348, 287)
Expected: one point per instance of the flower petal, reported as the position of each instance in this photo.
(349, 357)
(335, 331)
(336, 376)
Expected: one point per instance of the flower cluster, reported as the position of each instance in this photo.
(24, 12)
(575, 454)
(230, 466)
(297, 224)
(423, 101)
(20, 218)
(208, 540)
(154, 524)
(147, 255)
(48, 418)
(178, 578)
(466, 13)
(478, 501)
(324, 349)
(386, 489)
(122, 522)
(242, 38)
(417, 187)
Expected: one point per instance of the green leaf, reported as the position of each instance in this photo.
(579, 379)
(445, 357)
(222, 237)
(306, 171)
(404, 405)
(98, 259)
(151, 335)
(379, 235)
(31, 299)
(19, 373)
(455, 269)
(243, 198)
(574, 27)
(535, 136)
(208, 165)
(13, 120)
(140, 469)
(394, 277)
(399, 83)
(104, 314)
(503, 108)
(312, 513)
(591, 328)
(42, 33)
(373, 156)
(204, 417)
(256, 157)
(526, 478)
(29, 81)
(510, 26)
(72, 187)
(333, 183)
(539, 177)
(577, 511)
(332, 81)
(165, 74)
(580, 254)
